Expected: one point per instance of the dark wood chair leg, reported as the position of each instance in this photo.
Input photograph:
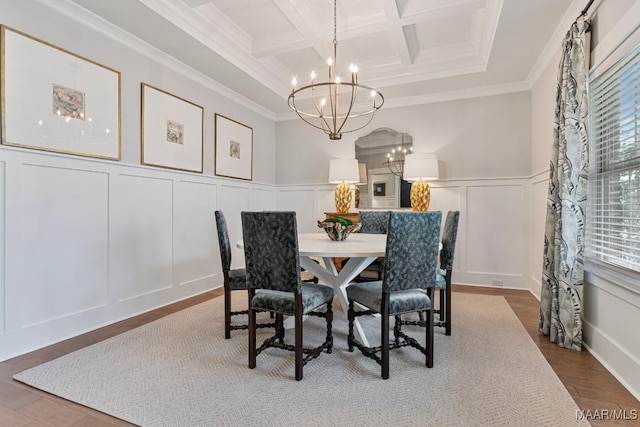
(397, 327)
(384, 333)
(280, 327)
(329, 319)
(298, 337)
(429, 338)
(252, 331)
(448, 305)
(351, 317)
(227, 308)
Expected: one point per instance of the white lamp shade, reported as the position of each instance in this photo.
(419, 166)
(344, 170)
(363, 173)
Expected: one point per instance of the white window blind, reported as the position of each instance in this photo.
(613, 206)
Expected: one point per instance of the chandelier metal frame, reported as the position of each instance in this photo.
(333, 119)
(396, 164)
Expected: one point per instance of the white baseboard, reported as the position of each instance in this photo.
(615, 359)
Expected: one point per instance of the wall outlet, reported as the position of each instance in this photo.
(496, 282)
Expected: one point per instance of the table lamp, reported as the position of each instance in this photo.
(418, 168)
(343, 172)
(362, 167)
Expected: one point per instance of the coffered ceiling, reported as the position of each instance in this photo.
(407, 49)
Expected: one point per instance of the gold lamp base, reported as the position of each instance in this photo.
(343, 198)
(356, 203)
(420, 196)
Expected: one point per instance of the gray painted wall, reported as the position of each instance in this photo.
(484, 137)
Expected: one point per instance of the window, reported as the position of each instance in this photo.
(613, 206)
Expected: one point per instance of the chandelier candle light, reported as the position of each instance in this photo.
(323, 106)
(418, 168)
(343, 172)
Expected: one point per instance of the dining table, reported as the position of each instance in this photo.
(361, 249)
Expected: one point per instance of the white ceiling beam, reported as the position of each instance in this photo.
(277, 45)
(196, 3)
(396, 32)
(459, 7)
(296, 18)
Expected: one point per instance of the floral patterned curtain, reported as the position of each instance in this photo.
(563, 268)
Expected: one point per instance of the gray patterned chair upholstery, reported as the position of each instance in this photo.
(273, 268)
(443, 275)
(372, 222)
(234, 279)
(410, 266)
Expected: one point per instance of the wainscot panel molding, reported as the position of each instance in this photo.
(492, 227)
(140, 218)
(195, 262)
(2, 239)
(88, 242)
(538, 189)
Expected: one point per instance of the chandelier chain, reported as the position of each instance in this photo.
(335, 22)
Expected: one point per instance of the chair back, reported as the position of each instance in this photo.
(223, 241)
(271, 250)
(449, 235)
(413, 240)
(374, 222)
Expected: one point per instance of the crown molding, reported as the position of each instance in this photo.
(96, 23)
(223, 39)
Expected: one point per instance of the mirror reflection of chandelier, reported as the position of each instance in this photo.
(395, 159)
(338, 105)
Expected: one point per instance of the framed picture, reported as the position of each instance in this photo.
(171, 131)
(234, 149)
(55, 100)
(379, 189)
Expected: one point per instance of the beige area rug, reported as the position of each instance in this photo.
(180, 371)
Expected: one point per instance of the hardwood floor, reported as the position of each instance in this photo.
(591, 385)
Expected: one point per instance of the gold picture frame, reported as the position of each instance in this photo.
(55, 100)
(171, 131)
(233, 149)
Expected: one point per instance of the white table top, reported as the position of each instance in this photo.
(359, 245)
(356, 245)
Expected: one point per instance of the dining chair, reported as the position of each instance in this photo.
(443, 275)
(273, 269)
(234, 278)
(410, 265)
(372, 222)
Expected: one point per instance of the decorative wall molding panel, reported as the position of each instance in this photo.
(492, 245)
(87, 243)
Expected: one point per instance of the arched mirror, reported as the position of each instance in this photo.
(382, 152)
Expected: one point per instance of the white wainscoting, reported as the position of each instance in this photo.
(492, 239)
(86, 242)
(2, 234)
(538, 211)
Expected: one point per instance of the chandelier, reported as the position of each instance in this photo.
(395, 159)
(335, 106)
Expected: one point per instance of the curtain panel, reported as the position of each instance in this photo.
(563, 261)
